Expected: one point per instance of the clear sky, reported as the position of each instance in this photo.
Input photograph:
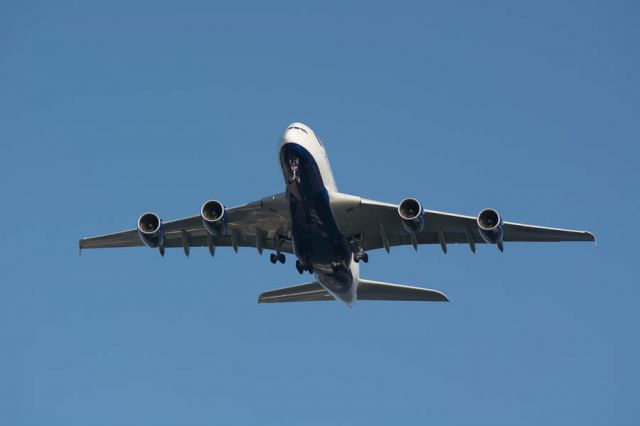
(114, 108)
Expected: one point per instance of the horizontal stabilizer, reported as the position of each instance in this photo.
(375, 290)
(367, 290)
(310, 292)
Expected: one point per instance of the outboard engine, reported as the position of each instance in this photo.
(151, 230)
(412, 215)
(490, 226)
(214, 217)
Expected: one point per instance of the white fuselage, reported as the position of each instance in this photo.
(310, 184)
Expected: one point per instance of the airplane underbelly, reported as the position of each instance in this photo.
(318, 241)
(316, 237)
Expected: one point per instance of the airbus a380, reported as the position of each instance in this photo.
(327, 231)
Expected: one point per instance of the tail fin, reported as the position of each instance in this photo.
(376, 290)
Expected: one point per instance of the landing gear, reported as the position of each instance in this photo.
(294, 167)
(357, 257)
(359, 253)
(275, 258)
(302, 266)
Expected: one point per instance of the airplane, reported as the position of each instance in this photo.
(327, 231)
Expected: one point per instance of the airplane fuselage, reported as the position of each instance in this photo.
(317, 241)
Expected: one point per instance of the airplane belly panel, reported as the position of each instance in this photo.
(316, 238)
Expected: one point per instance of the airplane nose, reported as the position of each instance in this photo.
(288, 136)
(294, 133)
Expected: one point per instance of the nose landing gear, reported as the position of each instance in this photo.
(294, 167)
(279, 257)
(357, 257)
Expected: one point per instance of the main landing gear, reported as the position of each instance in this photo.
(359, 253)
(301, 267)
(275, 258)
(357, 257)
(278, 256)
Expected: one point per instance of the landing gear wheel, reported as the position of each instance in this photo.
(273, 258)
(294, 167)
(299, 267)
(357, 257)
(281, 258)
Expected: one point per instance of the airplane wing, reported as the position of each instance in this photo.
(378, 225)
(262, 224)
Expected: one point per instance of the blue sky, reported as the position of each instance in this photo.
(111, 109)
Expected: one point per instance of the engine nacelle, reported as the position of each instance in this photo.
(151, 230)
(412, 215)
(490, 226)
(214, 217)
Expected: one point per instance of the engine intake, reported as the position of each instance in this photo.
(490, 226)
(151, 230)
(412, 215)
(214, 217)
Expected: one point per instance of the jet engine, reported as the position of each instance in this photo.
(151, 230)
(490, 226)
(214, 217)
(412, 215)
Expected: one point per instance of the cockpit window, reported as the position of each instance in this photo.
(297, 128)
